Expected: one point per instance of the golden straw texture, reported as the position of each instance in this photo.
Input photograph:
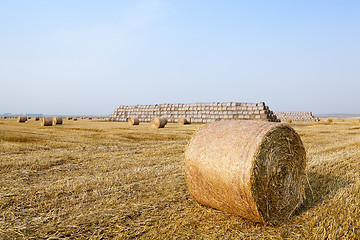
(133, 121)
(254, 169)
(158, 122)
(46, 121)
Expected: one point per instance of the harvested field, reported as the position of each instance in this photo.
(94, 180)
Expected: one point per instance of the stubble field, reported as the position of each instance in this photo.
(100, 180)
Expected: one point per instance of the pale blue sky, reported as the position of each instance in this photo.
(88, 57)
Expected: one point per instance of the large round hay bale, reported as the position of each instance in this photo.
(57, 120)
(254, 169)
(158, 122)
(21, 119)
(133, 121)
(184, 120)
(46, 121)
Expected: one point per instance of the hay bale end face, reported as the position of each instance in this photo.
(46, 121)
(57, 120)
(21, 119)
(158, 122)
(133, 121)
(254, 169)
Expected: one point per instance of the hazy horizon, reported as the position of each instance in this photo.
(88, 57)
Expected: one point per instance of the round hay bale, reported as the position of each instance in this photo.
(57, 120)
(21, 119)
(314, 120)
(133, 121)
(328, 121)
(46, 121)
(184, 120)
(255, 169)
(288, 121)
(37, 118)
(75, 118)
(158, 122)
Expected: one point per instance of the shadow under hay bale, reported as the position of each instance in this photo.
(319, 186)
(250, 168)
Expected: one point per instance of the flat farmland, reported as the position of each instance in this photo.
(101, 180)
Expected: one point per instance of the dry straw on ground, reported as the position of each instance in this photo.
(183, 121)
(158, 122)
(133, 121)
(21, 119)
(57, 120)
(250, 168)
(108, 180)
(46, 121)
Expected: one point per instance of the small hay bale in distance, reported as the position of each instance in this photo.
(328, 121)
(254, 169)
(75, 118)
(57, 120)
(133, 121)
(37, 118)
(158, 122)
(288, 121)
(21, 119)
(183, 121)
(46, 121)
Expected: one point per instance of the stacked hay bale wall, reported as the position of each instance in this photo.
(295, 116)
(197, 112)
